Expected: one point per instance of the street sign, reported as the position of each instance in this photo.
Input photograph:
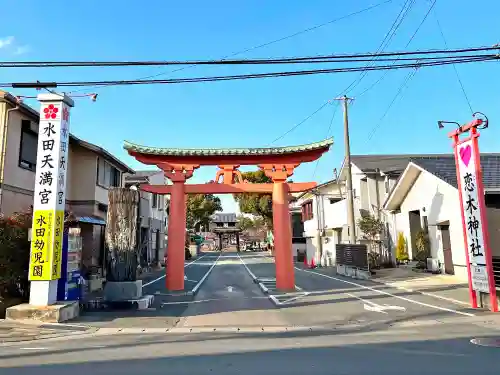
(479, 275)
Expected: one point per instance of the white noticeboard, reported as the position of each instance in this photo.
(479, 275)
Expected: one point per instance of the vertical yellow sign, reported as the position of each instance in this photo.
(41, 249)
(58, 244)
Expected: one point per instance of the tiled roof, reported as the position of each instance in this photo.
(141, 174)
(387, 163)
(224, 218)
(226, 151)
(444, 168)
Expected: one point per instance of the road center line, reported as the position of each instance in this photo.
(388, 294)
(164, 275)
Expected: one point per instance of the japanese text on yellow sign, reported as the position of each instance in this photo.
(46, 245)
(58, 244)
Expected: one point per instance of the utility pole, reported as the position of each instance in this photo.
(350, 195)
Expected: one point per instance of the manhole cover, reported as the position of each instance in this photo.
(493, 342)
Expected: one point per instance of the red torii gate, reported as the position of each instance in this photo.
(278, 163)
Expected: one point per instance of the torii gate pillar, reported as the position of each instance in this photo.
(285, 273)
(178, 174)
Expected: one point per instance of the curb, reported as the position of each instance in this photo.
(264, 288)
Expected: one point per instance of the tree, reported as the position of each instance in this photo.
(371, 227)
(200, 207)
(121, 234)
(245, 223)
(401, 249)
(260, 205)
(14, 256)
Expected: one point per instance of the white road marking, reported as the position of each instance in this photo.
(197, 286)
(263, 280)
(382, 308)
(206, 300)
(185, 266)
(389, 294)
(456, 301)
(305, 294)
(33, 348)
(248, 269)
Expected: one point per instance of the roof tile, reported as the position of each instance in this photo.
(225, 151)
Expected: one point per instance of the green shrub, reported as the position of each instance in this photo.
(422, 244)
(14, 255)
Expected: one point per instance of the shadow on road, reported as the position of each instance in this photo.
(323, 355)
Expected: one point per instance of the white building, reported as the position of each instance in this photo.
(409, 193)
(153, 211)
(373, 177)
(426, 198)
(322, 226)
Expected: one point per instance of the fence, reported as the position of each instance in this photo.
(352, 255)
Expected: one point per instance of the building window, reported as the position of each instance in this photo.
(307, 211)
(387, 186)
(107, 175)
(334, 200)
(28, 146)
(154, 200)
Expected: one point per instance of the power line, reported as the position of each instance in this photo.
(298, 124)
(321, 107)
(417, 64)
(334, 58)
(407, 79)
(279, 39)
(454, 67)
(385, 42)
(406, 46)
(327, 136)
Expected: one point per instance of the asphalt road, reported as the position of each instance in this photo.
(332, 325)
(446, 350)
(158, 316)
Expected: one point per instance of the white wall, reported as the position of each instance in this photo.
(336, 214)
(157, 212)
(441, 203)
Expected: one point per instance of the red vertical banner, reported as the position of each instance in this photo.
(474, 216)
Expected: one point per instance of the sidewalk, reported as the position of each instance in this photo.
(445, 287)
(14, 332)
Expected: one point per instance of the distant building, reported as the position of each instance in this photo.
(322, 227)
(224, 225)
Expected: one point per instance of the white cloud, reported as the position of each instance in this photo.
(20, 50)
(7, 41)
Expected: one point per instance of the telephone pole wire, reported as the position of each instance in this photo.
(350, 195)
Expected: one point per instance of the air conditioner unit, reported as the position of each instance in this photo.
(433, 265)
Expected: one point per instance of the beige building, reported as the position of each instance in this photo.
(91, 171)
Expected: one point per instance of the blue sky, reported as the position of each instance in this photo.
(253, 113)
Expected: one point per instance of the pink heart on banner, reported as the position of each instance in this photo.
(465, 154)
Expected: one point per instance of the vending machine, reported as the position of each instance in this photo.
(69, 284)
